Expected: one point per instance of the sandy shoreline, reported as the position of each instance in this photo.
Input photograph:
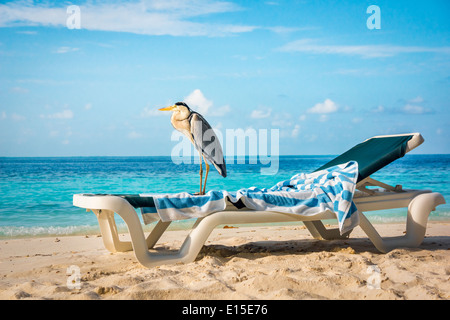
(277, 262)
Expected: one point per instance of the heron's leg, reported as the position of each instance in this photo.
(206, 175)
(201, 173)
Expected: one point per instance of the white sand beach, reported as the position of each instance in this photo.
(266, 262)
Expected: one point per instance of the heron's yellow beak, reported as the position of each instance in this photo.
(168, 108)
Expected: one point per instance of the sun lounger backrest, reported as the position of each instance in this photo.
(375, 153)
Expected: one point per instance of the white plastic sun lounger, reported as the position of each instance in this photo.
(371, 155)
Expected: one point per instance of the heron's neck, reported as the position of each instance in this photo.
(180, 115)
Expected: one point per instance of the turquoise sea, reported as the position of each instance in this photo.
(36, 193)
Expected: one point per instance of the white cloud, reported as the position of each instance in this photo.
(88, 106)
(415, 109)
(356, 72)
(17, 117)
(378, 109)
(410, 107)
(221, 111)
(13, 116)
(283, 30)
(27, 32)
(134, 135)
(152, 112)
(328, 106)
(66, 50)
(347, 109)
(323, 117)
(65, 114)
(189, 8)
(417, 99)
(150, 17)
(311, 137)
(282, 120)
(230, 29)
(26, 14)
(365, 51)
(19, 90)
(295, 131)
(197, 101)
(261, 114)
(414, 106)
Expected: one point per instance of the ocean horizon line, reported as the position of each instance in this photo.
(196, 156)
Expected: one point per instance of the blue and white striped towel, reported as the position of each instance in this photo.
(304, 194)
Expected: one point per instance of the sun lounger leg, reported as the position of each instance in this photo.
(187, 253)
(140, 247)
(109, 233)
(418, 211)
(156, 233)
(313, 230)
(110, 236)
(319, 232)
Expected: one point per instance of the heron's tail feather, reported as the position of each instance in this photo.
(222, 168)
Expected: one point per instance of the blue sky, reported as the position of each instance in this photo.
(312, 69)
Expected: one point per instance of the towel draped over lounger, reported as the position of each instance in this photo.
(304, 194)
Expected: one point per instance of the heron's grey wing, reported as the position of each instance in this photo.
(207, 142)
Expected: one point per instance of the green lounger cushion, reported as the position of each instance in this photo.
(372, 154)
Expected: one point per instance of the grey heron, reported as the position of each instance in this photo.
(197, 129)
